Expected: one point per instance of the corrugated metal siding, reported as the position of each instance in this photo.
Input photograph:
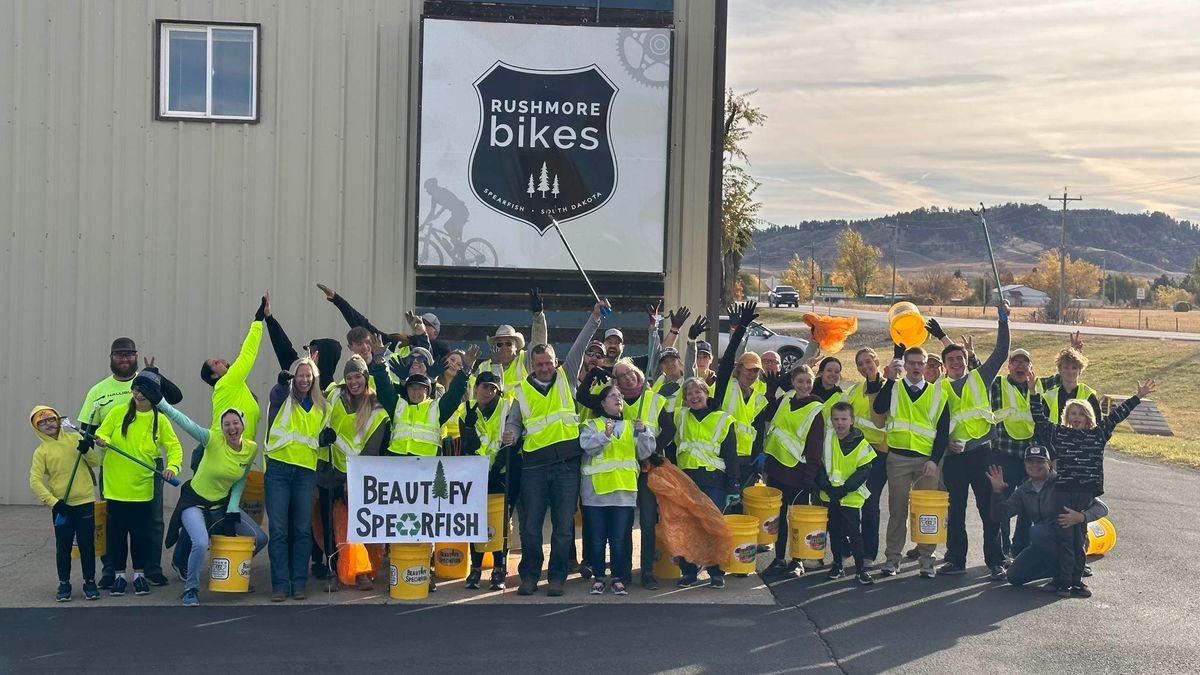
(118, 224)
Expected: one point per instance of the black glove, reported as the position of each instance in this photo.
(328, 437)
(170, 390)
(598, 375)
(60, 508)
(898, 351)
(535, 300)
(150, 384)
(656, 459)
(471, 416)
(699, 326)
(678, 318)
(935, 329)
(261, 313)
(85, 445)
(284, 378)
(748, 314)
(228, 524)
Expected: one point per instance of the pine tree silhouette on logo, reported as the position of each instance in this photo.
(531, 190)
(554, 188)
(440, 489)
(544, 181)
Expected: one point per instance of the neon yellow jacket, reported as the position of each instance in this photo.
(53, 461)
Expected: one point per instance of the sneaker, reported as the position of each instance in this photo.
(889, 569)
(650, 583)
(585, 571)
(278, 596)
(928, 572)
(106, 582)
(716, 582)
(795, 569)
(473, 577)
(811, 565)
(836, 573)
(1064, 591)
(1050, 586)
(364, 583)
(181, 571)
(64, 592)
(1087, 570)
(498, 576)
(527, 587)
(90, 592)
(618, 587)
(952, 569)
(141, 586)
(554, 589)
(763, 548)
(1081, 591)
(299, 594)
(996, 573)
(912, 553)
(686, 581)
(157, 579)
(864, 578)
(118, 586)
(432, 584)
(598, 587)
(945, 558)
(191, 598)
(778, 567)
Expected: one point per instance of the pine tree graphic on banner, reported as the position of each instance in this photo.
(440, 490)
(531, 190)
(544, 181)
(554, 188)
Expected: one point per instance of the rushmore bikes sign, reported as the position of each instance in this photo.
(523, 126)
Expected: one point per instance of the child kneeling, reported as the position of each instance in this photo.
(843, 477)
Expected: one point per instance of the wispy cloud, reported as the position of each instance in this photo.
(894, 104)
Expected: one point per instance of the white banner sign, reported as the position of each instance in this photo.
(526, 125)
(413, 500)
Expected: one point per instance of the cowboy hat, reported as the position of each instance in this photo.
(507, 331)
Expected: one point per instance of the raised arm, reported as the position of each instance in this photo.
(575, 356)
(743, 314)
(353, 317)
(1122, 411)
(653, 347)
(189, 427)
(539, 333)
(450, 401)
(239, 370)
(999, 356)
(285, 353)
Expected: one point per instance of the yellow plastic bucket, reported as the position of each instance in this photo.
(664, 566)
(229, 563)
(1102, 536)
(745, 543)
(906, 325)
(100, 538)
(927, 511)
(807, 534)
(495, 525)
(451, 560)
(254, 496)
(488, 562)
(408, 566)
(763, 503)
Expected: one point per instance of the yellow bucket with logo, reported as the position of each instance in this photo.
(1102, 536)
(451, 560)
(763, 503)
(664, 565)
(745, 543)
(229, 563)
(100, 536)
(495, 525)
(906, 325)
(408, 567)
(927, 511)
(807, 534)
(254, 496)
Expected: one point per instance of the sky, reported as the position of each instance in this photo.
(880, 106)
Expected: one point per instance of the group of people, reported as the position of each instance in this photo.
(583, 431)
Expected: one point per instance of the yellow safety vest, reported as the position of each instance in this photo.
(828, 405)
(787, 430)
(912, 425)
(415, 429)
(548, 418)
(615, 469)
(585, 413)
(349, 440)
(649, 405)
(670, 403)
(841, 466)
(743, 411)
(490, 430)
(292, 439)
(698, 442)
(1014, 412)
(971, 413)
(510, 376)
(1052, 403)
(857, 397)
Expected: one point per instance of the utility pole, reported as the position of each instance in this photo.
(1062, 254)
(895, 246)
(1104, 280)
(812, 275)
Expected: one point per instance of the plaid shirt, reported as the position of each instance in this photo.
(1004, 443)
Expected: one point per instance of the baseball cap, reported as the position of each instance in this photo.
(1037, 452)
(431, 319)
(488, 377)
(1019, 352)
(750, 360)
(123, 344)
(933, 358)
(614, 332)
(595, 345)
(421, 380)
(423, 353)
(703, 347)
(668, 353)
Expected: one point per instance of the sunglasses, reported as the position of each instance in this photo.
(595, 354)
(505, 343)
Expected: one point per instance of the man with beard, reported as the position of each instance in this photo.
(112, 391)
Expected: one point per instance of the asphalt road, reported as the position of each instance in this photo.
(880, 318)
(1144, 617)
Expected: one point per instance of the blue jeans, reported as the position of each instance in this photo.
(554, 487)
(1039, 560)
(197, 531)
(718, 496)
(1014, 538)
(289, 493)
(610, 528)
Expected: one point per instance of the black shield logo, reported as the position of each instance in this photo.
(544, 150)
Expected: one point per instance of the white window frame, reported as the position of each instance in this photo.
(164, 71)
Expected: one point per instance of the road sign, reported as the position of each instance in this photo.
(831, 291)
(1141, 294)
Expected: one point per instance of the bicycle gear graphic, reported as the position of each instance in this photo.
(646, 55)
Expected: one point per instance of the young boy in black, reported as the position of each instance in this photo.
(846, 466)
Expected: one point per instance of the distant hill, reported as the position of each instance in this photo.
(1142, 244)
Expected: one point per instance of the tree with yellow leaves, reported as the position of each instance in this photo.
(798, 273)
(1083, 278)
(858, 263)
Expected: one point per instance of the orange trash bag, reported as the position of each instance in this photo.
(831, 331)
(352, 559)
(688, 522)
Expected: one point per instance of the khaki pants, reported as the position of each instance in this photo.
(902, 472)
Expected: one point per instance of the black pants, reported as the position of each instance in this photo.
(791, 496)
(1071, 541)
(129, 533)
(962, 472)
(647, 519)
(876, 481)
(81, 525)
(843, 527)
(155, 531)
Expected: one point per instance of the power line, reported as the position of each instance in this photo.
(1062, 253)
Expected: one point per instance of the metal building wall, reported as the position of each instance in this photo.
(118, 224)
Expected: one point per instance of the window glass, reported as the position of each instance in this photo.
(233, 72)
(188, 54)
